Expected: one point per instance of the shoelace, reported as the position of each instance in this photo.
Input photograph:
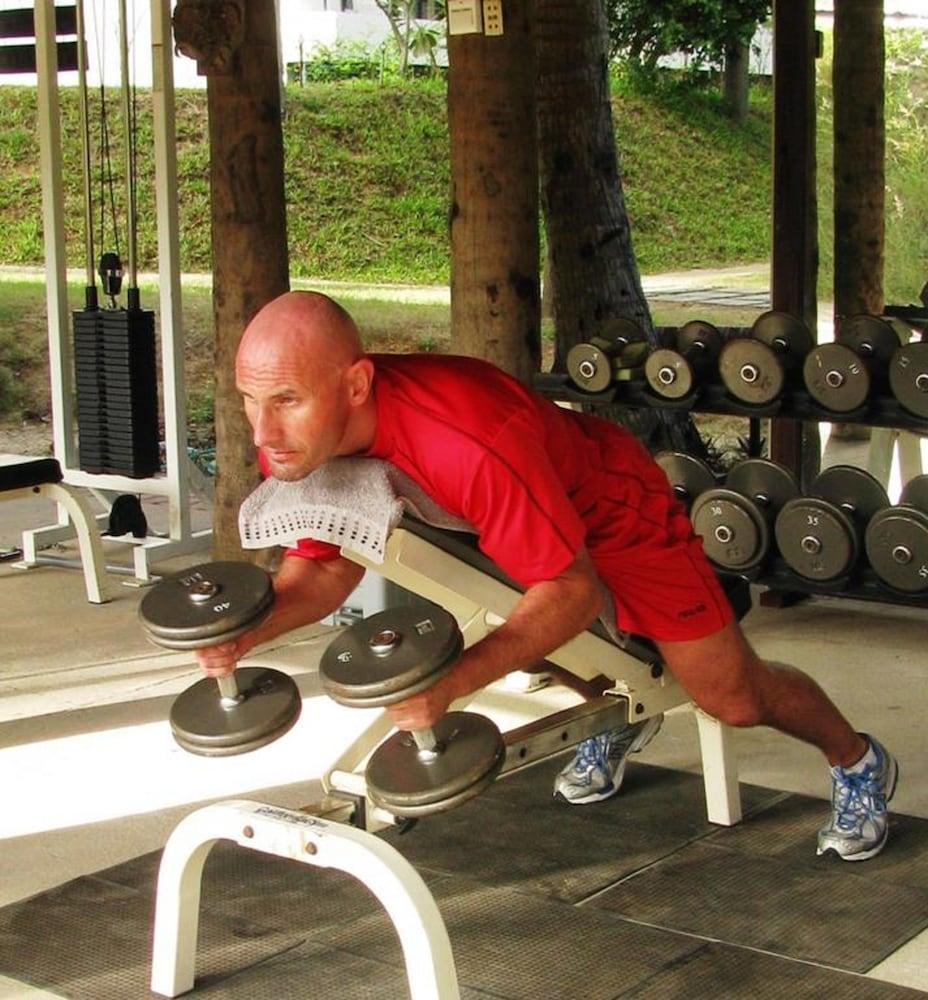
(857, 797)
(590, 754)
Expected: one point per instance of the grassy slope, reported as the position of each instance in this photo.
(367, 180)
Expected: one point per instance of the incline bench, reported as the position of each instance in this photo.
(22, 476)
(446, 568)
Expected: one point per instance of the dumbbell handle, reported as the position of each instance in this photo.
(229, 694)
(427, 742)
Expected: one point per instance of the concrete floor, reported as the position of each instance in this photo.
(89, 775)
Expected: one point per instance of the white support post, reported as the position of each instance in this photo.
(172, 336)
(719, 771)
(310, 840)
(60, 360)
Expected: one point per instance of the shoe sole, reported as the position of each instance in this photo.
(638, 743)
(871, 852)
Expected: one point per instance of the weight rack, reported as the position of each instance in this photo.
(793, 403)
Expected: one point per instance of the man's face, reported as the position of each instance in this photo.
(297, 414)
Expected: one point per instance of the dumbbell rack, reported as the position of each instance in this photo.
(793, 403)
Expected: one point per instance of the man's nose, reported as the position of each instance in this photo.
(265, 428)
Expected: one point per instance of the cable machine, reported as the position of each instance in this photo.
(181, 474)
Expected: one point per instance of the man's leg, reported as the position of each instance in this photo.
(726, 678)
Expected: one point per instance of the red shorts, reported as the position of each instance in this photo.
(644, 549)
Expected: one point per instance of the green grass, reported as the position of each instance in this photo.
(367, 179)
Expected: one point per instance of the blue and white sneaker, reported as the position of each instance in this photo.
(598, 767)
(859, 821)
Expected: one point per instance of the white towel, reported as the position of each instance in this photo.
(353, 503)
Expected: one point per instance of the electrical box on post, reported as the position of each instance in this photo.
(465, 17)
(492, 17)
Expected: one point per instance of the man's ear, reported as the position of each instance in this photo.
(358, 378)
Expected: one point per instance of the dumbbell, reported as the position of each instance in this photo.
(675, 372)
(755, 369)
(840, 376)
(896, 540)
(735, 521)
(689, 476)
(618, 353)
(821, 535)
(203, 606)
(387, 658)
(908, 377)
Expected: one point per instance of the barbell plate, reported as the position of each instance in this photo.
(870, 337)
(836, 377)
(699, 332)
(669, 374)
(269, 707)
(751, 371)
(908, 377)
(784, 332)
(915, 493)
(689, 476)
(817, 539)
(768, 484)
(363, 668)
(206, 604)
(734, 532)
(852, 489)
(472, 753)
(589, 367)
(896, 542)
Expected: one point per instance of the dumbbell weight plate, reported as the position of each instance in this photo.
(589, 366)
(699, 332)
(786, 333)
(816, 538)
(669, 374)
(270, 704)
(836, 377)
(768, 484)
(734, 533)
(390, 656)
(751, 371)
(472, 753)
(908, 377)
(870, 337)
(896, 542)
(855, 491)
(206, 604)
(689, 476)
(915, 492)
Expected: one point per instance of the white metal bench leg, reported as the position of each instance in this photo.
(311, 840)
(719, 771)
(88, 539)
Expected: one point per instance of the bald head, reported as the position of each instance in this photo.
(306, 328)
(306, 384)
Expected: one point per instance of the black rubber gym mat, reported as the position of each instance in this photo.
(523, 947)
(517, 834)
(816, 913)
(719, 971)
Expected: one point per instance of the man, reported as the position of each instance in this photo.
(561, 501)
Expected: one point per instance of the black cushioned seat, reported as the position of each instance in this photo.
(17, 475)
(464, 546)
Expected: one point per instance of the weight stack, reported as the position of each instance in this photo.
(117, 392)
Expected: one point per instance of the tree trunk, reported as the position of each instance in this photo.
(494, 195)
(249, 241)
(593, 272)
(736, 81)
(859, 149)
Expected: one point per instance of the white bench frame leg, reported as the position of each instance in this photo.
(719, 771)
(88, 536)
(386, 873)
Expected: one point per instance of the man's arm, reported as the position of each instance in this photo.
(547, 615)
(305, 590)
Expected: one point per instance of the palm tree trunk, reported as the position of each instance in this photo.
(494, 195)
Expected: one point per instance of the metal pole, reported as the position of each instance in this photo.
(85, 143)
(129, 143)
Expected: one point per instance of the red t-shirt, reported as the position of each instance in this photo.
(526, 473)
